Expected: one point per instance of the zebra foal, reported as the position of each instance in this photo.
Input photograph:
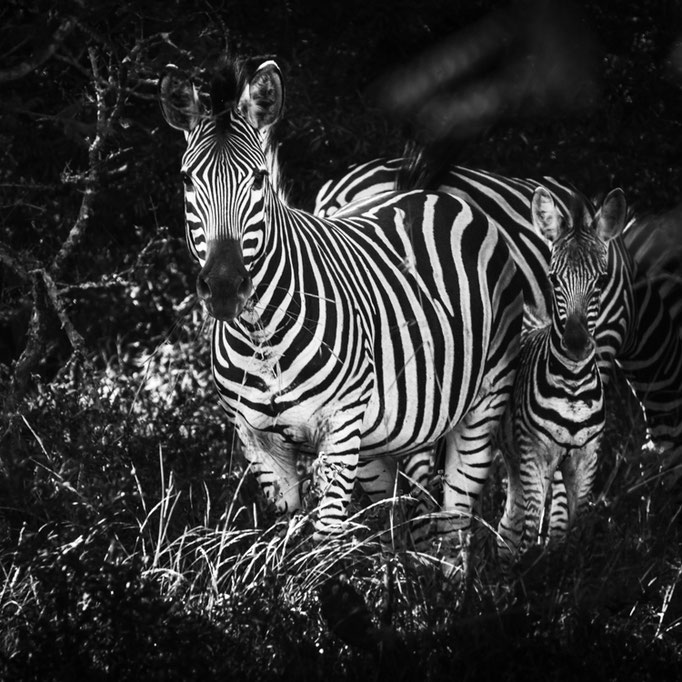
(373, 334)
(556, 417)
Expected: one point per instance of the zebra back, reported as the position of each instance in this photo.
(507, 202)
(640, 324)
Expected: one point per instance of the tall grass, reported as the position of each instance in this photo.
(135, 546)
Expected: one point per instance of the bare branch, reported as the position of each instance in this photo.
(12, 261)
(104, 128)
(106, 282)
(72, 333)
(78, 229)
(35, 342)
(40, 57)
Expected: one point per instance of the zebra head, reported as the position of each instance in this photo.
(578, 265)
(225, 171)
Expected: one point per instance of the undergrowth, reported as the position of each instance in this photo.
(133, 543)
(135, 546)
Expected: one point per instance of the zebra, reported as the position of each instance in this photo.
(653, 360)
(635, 330)
(556, 417)
(507, 202)
(366, 336)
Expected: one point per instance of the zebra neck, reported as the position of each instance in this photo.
(558, 361)
(294, 292)
(273, 168)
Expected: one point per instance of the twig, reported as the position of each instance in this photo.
(24, 68)
(104, 129)
(12, 262)
(35, 343)
(72, 333)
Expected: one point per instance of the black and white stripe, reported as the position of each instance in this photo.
(372, 335)
(556, 417)
(507, 202)
(639, 323)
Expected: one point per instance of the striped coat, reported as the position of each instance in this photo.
(556, 418)
(372, 334)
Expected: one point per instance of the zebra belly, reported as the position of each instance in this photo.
(266, 421)
(397, 410)
(416, 401)
(406, 417)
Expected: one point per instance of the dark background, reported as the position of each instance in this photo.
(332, 54)
(119, 484)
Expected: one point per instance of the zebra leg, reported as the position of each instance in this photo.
(378, 478)
(334, 472)
(537, 471)
(579, 470)
(510, 527)
(557, 522)
(419, 471)
(277, 477)
(468, 455)
(469, 446)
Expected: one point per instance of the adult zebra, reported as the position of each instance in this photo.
(556, 416)
(635, 328)
(374, 334)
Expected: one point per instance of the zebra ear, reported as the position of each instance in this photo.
(546, 216)
(262, 100)
(179, 100)
(611, 216)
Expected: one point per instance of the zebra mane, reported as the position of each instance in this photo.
(425, 166)
(578, 213)
(226, 85)
(230, 76)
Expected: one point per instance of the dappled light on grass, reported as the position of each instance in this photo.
(203, 564)
(145, 553)
(133, 543)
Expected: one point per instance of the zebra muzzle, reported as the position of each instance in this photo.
(577, 340)
(224, 285)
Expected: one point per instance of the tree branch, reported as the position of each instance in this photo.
(35, 342)
(12, 262)
(40, 57)
(72, 333)
(104, 128)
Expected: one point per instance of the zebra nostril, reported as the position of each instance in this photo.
(244, 287)
(203, 288)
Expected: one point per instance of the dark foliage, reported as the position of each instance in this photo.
(118, 479)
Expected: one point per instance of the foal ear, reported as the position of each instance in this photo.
(262, 100)
(179, 100)
(611, 216)
(546, 216)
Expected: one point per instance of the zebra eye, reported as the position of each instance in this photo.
(258, 178)
(602, 281)
(187, 181)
